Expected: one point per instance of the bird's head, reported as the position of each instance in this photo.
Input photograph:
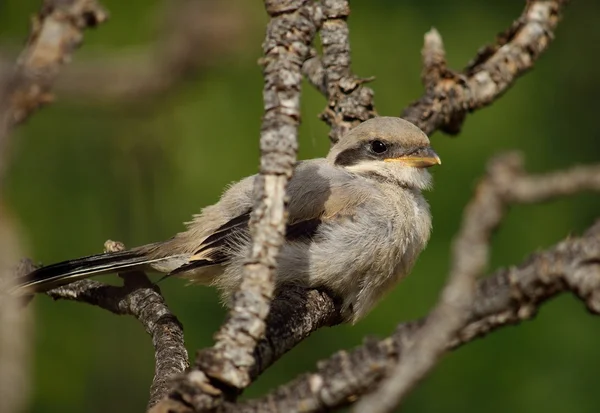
(387, 148)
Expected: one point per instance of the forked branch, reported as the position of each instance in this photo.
(449, 96)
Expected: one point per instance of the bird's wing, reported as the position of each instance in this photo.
(217, 248)
(316, 192)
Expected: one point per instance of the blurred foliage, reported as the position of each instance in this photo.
(85, 171)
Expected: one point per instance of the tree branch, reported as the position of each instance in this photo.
(313, 70)
(349, 101)
(142, 299)
(227, 365)
(449, 96)
(295, 313)
(507, 297)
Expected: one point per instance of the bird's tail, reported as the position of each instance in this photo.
(56, 275)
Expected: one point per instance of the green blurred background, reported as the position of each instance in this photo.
(88, 169)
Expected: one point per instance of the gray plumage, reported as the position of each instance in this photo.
(357, 223)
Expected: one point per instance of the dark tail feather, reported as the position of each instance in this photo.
(56, 275)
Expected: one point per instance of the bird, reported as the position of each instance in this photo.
(357, 221)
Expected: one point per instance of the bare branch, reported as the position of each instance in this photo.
(450, 96)
(142, 299)
(295, 313)
(434, 59)
(228, 363)
(286, 46)
(313, 70)
(349, 101)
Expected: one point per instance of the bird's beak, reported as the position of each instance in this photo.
(422, 158)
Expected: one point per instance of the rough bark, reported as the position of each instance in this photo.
(227, 365)
(449, 96)
(349, 101)
(142, 299)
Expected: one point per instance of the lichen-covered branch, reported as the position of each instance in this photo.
(349, 101)
(228, 363)
(505, 298)
(142, 299)
(289, 35)
(449, 96)
(295, 313)
(313, 70)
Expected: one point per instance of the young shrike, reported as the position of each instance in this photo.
(357, 222)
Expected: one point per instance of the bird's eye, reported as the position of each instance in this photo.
(378, 147)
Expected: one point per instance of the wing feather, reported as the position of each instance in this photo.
(318, 192)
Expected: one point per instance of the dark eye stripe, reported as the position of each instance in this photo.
(364, 151)
(351, 156)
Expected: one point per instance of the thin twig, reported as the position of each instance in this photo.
(434, 59)
(349, 101)
(446, 102)
(287, 42)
